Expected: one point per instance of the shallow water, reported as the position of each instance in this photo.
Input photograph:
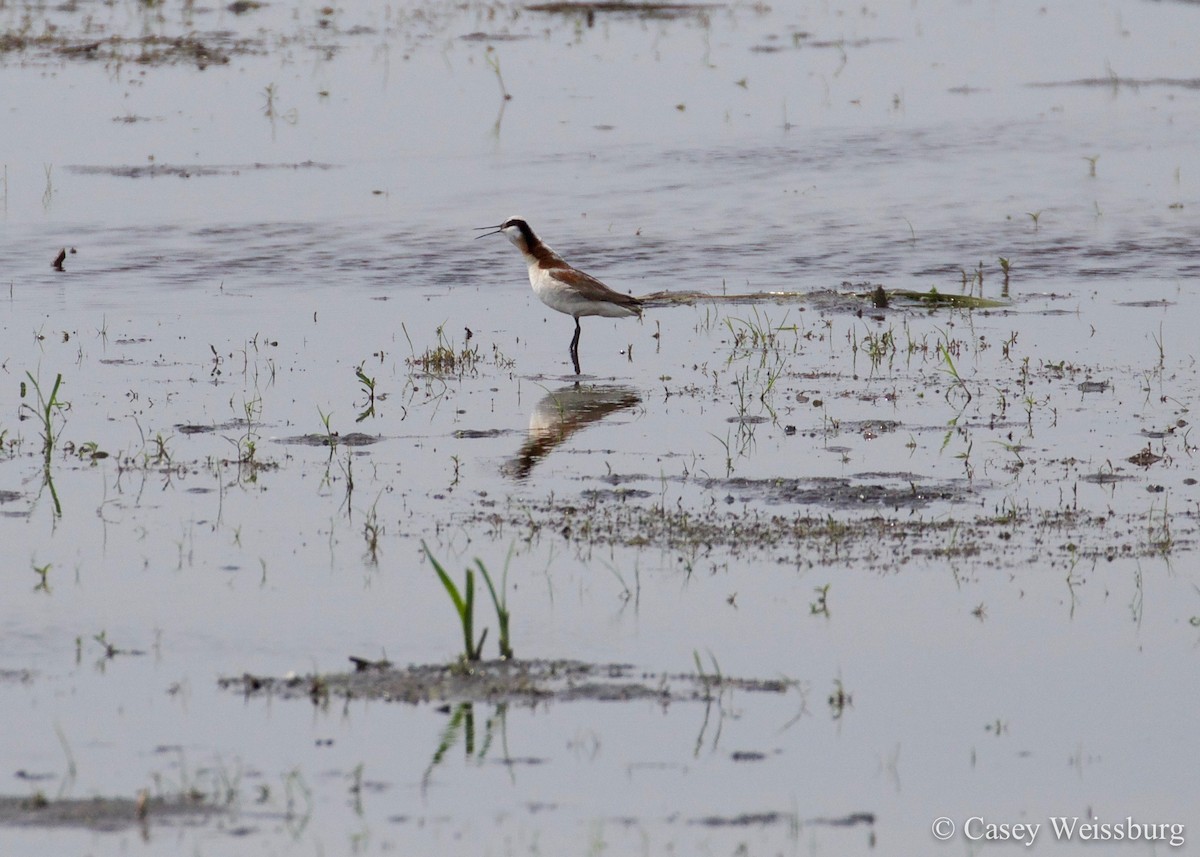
(1011, 606)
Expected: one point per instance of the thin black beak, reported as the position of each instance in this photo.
(495, 230)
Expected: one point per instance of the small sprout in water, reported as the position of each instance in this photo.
(372, 530)
(331, 437)
(367, 384)
(161, 454)
(820, 607)
(839, 700)
(110, 651)
(1035, 216)
(493, 61)
(269, 93)
(89, 450)
(1091, 159)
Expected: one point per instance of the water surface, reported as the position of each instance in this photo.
(1001, 502)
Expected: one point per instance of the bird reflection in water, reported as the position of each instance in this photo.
(563, 412)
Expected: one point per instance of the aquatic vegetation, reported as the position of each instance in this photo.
(367, 384)
(444, 358)
(493, 61)
(757, 334)
(820, 607)
(501, 605)
(43, 573)
(934, 298)
(839, 700)
(47, 408)
(943, 350)
(330, 437)
(246, 444)
(88, 451)
(372, 531)
(160, 455)
(1006, 269)
(877, 345)
(464, 605)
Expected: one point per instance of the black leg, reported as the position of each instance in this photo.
(575, 348)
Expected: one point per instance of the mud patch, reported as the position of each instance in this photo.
(476, 434)
(763, 819)
(1115, 82)
(801, 41)
(493, 37)
(639, 10)
(885, 490)
(843, 494)
(103, 814)
(149, 171)
(199, 49)
(528, 682)
(198, 428)
(878, 539)
(354, 438)
(851, 296)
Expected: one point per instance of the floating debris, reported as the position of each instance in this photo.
(1145, 458)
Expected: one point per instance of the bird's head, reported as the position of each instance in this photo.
(516, 230)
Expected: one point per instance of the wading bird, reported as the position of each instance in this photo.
(561, 287)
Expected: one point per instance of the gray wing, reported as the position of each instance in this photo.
(591, 288)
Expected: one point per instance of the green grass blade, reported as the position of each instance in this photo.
(502, 613)
(468, 620)
(451, 589)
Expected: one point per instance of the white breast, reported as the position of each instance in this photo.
(563, 297)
